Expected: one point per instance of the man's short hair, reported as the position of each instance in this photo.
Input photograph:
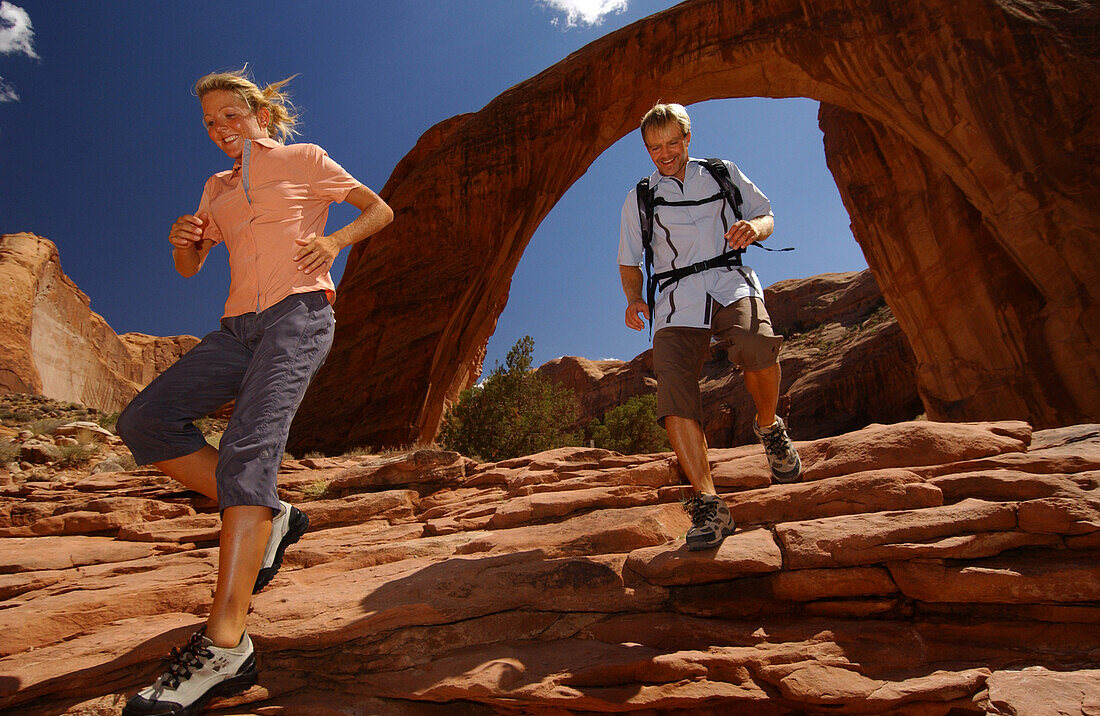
(661, 115)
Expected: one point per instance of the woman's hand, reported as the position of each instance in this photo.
(317, 253)
(186, 233)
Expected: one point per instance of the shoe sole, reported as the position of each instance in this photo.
(787, 478)
(222, 690)
(298, 524)
(700, 546)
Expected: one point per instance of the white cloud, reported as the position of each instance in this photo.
(16, 35)
(7, 92)
(584, 12)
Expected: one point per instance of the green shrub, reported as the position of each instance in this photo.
(514, 412)
(75, 456)
(631, 428)
(9, 452)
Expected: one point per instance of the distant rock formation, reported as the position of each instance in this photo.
(845, 364)
(53, 344)
(966, 149)
(921, 568)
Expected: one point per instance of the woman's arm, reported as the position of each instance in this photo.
(318, 252)
(189, 249)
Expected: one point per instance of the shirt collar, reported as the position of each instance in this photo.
(265, 142)
(693, 165)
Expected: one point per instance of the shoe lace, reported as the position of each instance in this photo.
(701, 511)
(776, 443)
(181, 661)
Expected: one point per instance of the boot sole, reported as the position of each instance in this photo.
(224, 689)
(700, 546)
(299, 523)
(787, 478)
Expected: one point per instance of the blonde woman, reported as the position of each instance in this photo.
(270, 210)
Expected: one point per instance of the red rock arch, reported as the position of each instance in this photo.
(962, 134)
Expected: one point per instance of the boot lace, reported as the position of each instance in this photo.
(776, 443)
(182, 661)
(701, 511)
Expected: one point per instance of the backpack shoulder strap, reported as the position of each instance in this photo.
(645, 215)
(721, 174)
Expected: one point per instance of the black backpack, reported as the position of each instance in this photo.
(647, 204)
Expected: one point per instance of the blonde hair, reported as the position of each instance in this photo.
(284, 116)
(661, 115)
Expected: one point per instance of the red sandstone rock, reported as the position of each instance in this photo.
(1037, 691)
(52, 343)
(584, 603)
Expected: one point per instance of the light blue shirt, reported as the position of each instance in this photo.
(684, 235)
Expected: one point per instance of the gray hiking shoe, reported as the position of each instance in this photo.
(196, 673)
(287, 527)
(710, 521)
(782, 456)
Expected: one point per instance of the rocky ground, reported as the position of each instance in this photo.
(920, 568)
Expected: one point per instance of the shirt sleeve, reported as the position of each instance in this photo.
(630, 232)
(754, 203)
(327, 179)
(211, 232)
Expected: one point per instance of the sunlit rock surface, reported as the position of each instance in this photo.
(919, 568)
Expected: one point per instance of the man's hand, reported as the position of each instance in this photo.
(632, 320)
(741, 235)
(186, 233)
(317, 253)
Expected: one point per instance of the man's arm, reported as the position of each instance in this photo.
(631, 278)
(745, 232)
(318, 252)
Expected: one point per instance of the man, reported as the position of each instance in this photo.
(692, 221)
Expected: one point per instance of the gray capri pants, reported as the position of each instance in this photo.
(263, 360)
(743, 329)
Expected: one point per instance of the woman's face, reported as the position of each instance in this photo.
(229, 122)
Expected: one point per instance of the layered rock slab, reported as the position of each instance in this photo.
(561, 584)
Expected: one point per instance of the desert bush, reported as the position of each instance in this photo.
(75, 456)
(630, 428)
(514, 412)
(9, 452)
(45, 426)
(107, 421)
(315, 490)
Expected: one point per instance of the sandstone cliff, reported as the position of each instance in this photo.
(921, 568)
(966, 151)
(845, 364)
(52, 343)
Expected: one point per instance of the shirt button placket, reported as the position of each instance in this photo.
(246, 184)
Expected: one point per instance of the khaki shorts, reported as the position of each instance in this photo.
(743, 329)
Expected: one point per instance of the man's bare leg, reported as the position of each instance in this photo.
(763, 386)
(690, 444)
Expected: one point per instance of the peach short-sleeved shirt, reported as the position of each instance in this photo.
(273, 195)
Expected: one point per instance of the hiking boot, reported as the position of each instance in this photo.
(782, 456)
(287, 527)
(196, 673)
(710, 521)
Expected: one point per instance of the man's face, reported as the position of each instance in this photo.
(668, 148)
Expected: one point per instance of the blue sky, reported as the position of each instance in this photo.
(102, 147)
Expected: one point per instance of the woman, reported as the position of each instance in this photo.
(270, 210)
